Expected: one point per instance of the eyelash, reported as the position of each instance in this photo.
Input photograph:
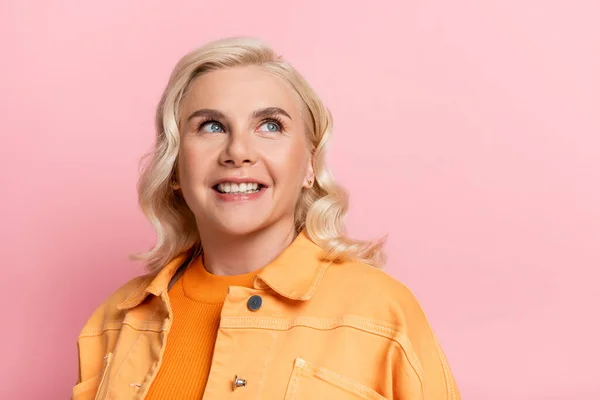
(274, 119)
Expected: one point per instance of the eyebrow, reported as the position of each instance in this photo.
(261, 113)
(269, 112)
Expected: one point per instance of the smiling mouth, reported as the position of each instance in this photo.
(239, 188)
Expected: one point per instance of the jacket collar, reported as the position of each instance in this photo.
(294, 274)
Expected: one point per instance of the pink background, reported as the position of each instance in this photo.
(467, 130)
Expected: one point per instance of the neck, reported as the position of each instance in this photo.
(251, 252)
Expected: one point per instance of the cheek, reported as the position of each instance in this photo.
(289, 167)
(193, 163)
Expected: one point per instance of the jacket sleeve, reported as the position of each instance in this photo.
(94, 347)
(421, 371)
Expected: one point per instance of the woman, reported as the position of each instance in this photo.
(254, 291)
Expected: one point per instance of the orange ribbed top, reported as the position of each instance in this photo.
(196, 299)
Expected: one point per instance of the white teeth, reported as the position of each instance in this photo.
(245, 187)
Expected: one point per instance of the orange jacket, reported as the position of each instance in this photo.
(317, 330)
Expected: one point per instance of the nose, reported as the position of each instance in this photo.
(239, 151)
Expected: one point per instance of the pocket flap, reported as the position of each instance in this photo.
(310, 381)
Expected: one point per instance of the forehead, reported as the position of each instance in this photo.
(239, 91)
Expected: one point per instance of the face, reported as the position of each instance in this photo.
(243, 157)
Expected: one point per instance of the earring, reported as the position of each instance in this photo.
(309, 183)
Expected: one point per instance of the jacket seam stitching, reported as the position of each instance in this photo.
(337, 379)
(449, 388)
(320, 273)
(139, 289)
(413, 363)
(118, 371)
(360, 323)
(117, 325)
(86, 385)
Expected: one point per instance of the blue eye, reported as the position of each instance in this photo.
(270, 127)
(211, 127)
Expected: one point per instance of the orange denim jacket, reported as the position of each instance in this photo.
(336, 331)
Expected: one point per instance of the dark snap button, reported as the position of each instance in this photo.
(254, 303)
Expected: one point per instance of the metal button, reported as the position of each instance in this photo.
(254, 303)
(238, 382)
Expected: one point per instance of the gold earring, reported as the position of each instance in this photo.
(309, 183)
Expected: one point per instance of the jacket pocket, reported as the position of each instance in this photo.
(309, 381)
(92, 388)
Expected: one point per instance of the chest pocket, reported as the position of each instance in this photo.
(309, 381)
(93, 388)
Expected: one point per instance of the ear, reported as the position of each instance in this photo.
(175, 185)
(309, 177)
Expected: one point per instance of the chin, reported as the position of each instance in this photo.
(237, 226)
(238, 230)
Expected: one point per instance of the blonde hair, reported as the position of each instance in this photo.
(321, 209)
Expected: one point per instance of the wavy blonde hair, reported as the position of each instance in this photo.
(320, 210)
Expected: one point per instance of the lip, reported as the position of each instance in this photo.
(240, 180)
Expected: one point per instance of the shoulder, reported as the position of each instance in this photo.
(373, 292)
(372, 281)
(109, 311)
